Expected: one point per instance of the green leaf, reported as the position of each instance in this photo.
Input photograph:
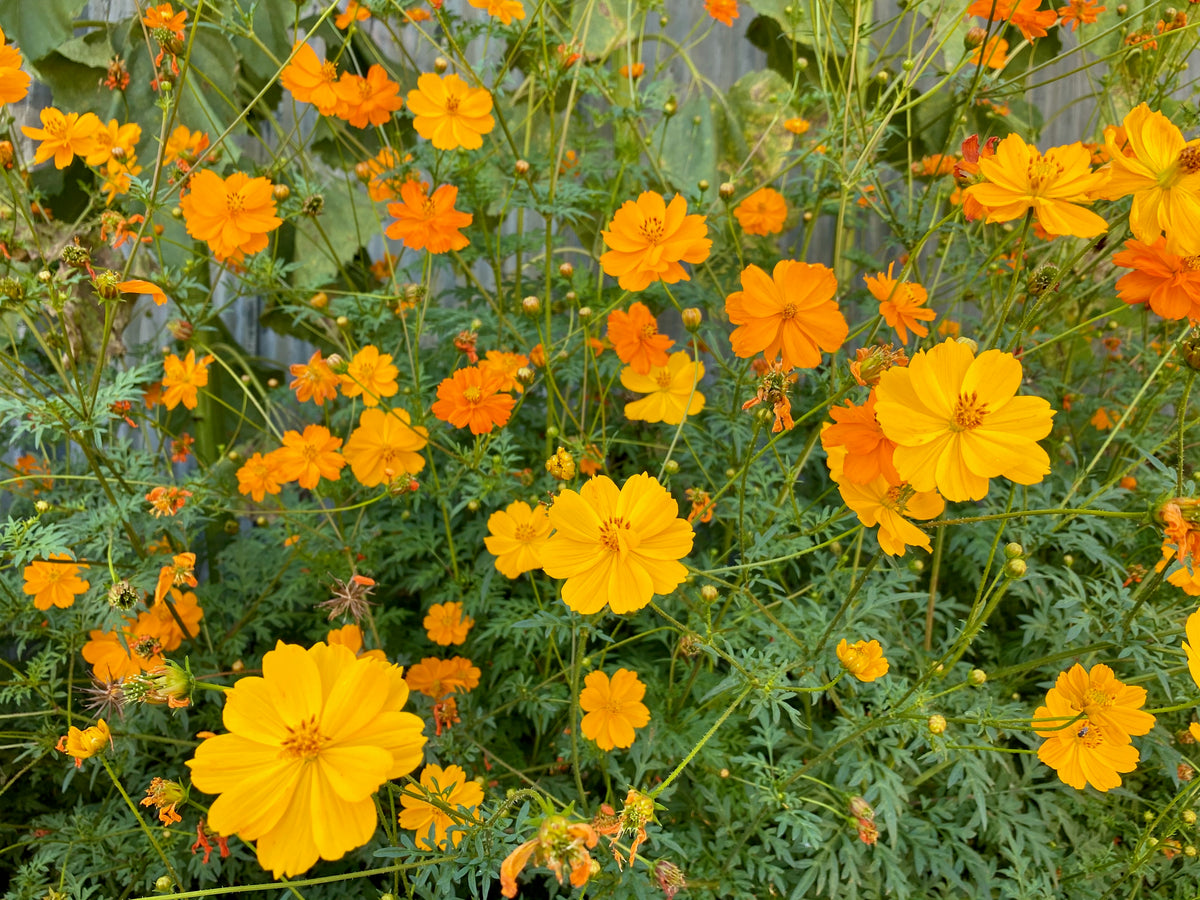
(93, 49)
(606, 27)
(752, 130)
(40, 27)
(690, 146)
(348, 221)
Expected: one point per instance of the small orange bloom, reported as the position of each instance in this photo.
(636, 340)
(180, 573)
(311, 80)
(354, 12)
(724, 11)
(901, 303)
(371, 375)
(307, 458)
(473, 397)
(637, 70)
(649, 238)
(797, 125)
(1022, 14)
(504, 10)
(868, 450)
(166, 501)
(54, 583)
(233, 215)
(438, 677)
(163, 16)
(185, 144)
(14, 84)
(1101, 420)
(790, 313)
(507, 365)
(425, 222)
(384, 446)
(63, 137)
(1079, 12)
(314, 380)
(367, 100)
(257, 477)
(84, 743)
(862, 659)
(613, 708)
(935, 166)
(450, 113)
(762, 213)
(445, 624)
(182, 378)
(993, 54)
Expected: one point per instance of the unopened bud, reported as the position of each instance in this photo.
(440, 65)
(726, 190)
(1013, 550)
(319, 300)
(709, 593)
(692, 317)
(163, 884)
(362, 171)
(585, 312)
(702, 185)
(281, 192)
(977, 677)
(937, 724)
(1015, 568)
(180, 329)
(521, 167)
(671, 467)
(1189, 817)
(566, 270)
(966, 341)
(975, 37)
(525, 375)
(531, 306)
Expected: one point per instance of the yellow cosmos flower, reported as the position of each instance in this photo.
(1192, 650)
(957, 422)
(452, 789)
(370, 374)
(1079, 749)
(54, 583)
(516, 537)
(862, 659)
(1106, 700)
(309, 743)
(1054, 185)
(384, 446)
(84, 743)
(614, 708)
(445, 623)
(616, 546)
(671, 389)
(450, 113)
(1163, 175)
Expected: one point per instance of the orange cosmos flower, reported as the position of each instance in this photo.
(425, 222)
(354, 12)
(165, 796)
(1055, 186)
(724, 11)
(385, 446)
(473, 397)
(63, 137)
(385, 174)
(311, 80)
(635, 338)
(367, 100)
(182, 378)
(937, 165)
(790, 313)
(516, 537)
(351, 637)
(1168, 283)
(257, 477)
(868, 450)
(451, 113)
(371, 375)
(445, 624)
(233, 215)
(1079, 12)
(166, 501)
(54, 583)
(14, 84)
(453, 790)
(1100, 420)
(797, 125)
(1162, 174)
(762, 213)
(504, 10)
(862, 659)
(163, 16)
(559, 845)
(84, 743)
(616, 546)
(614, 708)
(671, 390)
(637, 70)
(307, 458)
(993, 53)
(184, 144)
(957, 422)
(1080, 750)
(179, 574)
(648, 238)
(1024, 14)
(901, 303)
(507, 365)
(138, 286)
(314, 380)
(438, 677)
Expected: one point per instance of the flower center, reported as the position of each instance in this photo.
(304, 741)
(855, 661)
(968, 412)
(663, 377)
(524, 533)
(1189, 160)
(1096, 697)
(428, 208)
(1088, 733)
(1042, 172)
(310, 452)
(472, 395)
(146, 646)
(451, 104)
(56, 128)
(328, 72)
(234, 202)
(652, 229)
(789, 312)
(610, 534)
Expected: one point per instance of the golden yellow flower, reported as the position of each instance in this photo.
(452, 789)
(516, 537)
(862, 659)
(614, 708)
(671, 390)
(450, 113)
(648, 238)
(384, 446)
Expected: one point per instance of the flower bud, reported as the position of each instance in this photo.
(702, 185)
(1013, 550)
(977, 677)
(531, 306)
(362, 171)
(105, 284)
(163, 884)
(709, 593)
(670, 107)
(440, 65)
(726, 190)
(41, 506)
(561, 465)
(76, 257)
(319, 300)
(342, 322)
(692, 317)
(6, 154)
(566, 270)
(281, 192)
(44, 276)
(180, 330)
(937, 724)
(525, 375)
(1189, 851)
(521, 167)
(975, 37)
(585, 312)
(1189, 817)
(1015, 568)
(970, 343)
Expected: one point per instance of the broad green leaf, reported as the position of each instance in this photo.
(349, 220)
(602, 25)
(752, 130)
(39, 27)
(690, 149)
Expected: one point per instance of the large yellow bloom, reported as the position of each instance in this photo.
(451, 113)
(309, 743)
(1163, 175)
(670, 389)
(1019, 178)
(384, 446)
(957, 422)
(517, 536)
(616, 546)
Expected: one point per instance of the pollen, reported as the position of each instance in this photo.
(968, 412)
(472, 394)
(1042, 172)
(1189, 160)
(652, 229)
(304, 741)
(610, 533)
